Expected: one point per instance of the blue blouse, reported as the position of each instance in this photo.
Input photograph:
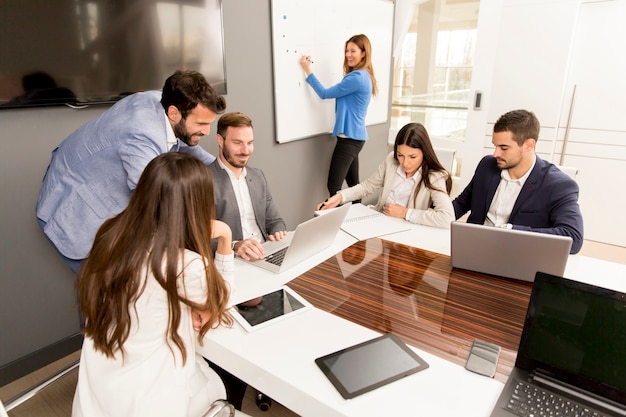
(353, 95)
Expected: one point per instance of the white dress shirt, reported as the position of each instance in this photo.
(249, 226)
(505, 197)
(403, 187)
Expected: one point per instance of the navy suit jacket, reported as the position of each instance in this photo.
(547, 203)
(227, 210)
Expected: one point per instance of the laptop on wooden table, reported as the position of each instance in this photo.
(571, 359)
(508, 253)
(309, 238)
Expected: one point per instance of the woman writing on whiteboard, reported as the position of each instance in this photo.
(415, 186)
(353, 95)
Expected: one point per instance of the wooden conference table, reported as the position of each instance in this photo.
(401, 283)
(416, 294)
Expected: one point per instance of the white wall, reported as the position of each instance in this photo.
(531, 54)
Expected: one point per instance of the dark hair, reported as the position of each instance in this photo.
(232, 119)
(185, 90)
(414, 135)
(403, 273)
(366, 63)
(169, 211)
(355, 254)
(523, 124)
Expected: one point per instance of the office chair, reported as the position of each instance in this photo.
(571, 171)
(446, 157)
(222, 408)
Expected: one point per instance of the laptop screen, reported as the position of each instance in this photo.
(576, 334)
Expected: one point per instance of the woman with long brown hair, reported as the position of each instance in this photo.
(415, 186)
(352, 97)
(149, 291)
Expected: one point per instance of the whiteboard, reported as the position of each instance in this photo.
(320, 28)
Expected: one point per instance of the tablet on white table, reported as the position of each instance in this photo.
(276, 306)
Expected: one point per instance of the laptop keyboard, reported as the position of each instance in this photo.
(277, 258)
(529, 400)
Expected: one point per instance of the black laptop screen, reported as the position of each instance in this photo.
(576, 333)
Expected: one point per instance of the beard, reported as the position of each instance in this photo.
(228, 157)
(502, 164)
(181, 132)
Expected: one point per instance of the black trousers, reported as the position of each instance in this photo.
(344, 164)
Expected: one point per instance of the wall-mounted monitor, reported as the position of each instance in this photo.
(82, 52)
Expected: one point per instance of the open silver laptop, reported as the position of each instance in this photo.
(571, 359)
(309, 238)
(516, 254)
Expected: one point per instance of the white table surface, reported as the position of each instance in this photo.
(279, 360)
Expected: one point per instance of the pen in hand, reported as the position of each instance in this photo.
(322, 205)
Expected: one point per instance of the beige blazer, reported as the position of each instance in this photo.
(431, 207)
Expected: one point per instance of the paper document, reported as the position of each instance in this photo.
(363, 222)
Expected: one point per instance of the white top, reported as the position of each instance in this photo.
(169, 133)
(152, 380)
(403, 187)
(249, 227)
(505, 197)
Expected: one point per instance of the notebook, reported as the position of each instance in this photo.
(309, 238)
(508, 253)
(363, 222)
(573, 347)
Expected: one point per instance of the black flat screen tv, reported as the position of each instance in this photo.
(82, 52)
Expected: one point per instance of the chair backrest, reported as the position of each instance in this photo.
(391, 135)
(571, 171)
(446, 157)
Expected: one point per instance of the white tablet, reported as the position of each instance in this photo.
(276, 306)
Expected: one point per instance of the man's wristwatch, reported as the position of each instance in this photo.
(232, 245)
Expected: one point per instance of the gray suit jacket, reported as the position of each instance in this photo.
(227, 210)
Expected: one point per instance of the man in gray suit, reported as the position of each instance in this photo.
(94, 170)
(242, 197)
(243, 201)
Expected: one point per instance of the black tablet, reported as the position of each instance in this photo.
(370, 365)
(276, 306)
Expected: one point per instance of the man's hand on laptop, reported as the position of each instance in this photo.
(277, 235)
(249, 249)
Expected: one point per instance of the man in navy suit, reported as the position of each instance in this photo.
(516, 189)
(94, 170)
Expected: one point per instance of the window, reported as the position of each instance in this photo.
(436, 91)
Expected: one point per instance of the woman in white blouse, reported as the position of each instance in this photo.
(415, 186)
(149, 291)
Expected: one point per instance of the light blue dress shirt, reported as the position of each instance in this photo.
(93, 172)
